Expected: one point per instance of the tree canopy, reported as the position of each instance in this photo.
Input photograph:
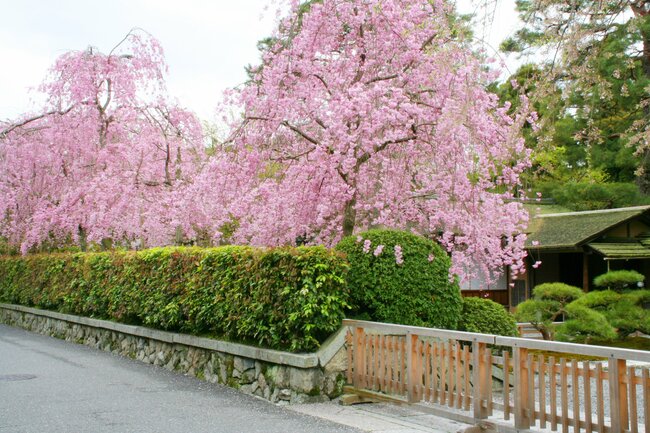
(102, 158)
(591, 87)
(370, 114)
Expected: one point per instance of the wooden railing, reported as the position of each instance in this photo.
(459, 371)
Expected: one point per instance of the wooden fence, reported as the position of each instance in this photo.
(460, 371)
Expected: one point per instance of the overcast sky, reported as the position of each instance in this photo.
(206, 43)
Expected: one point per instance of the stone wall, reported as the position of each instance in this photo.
(279, 377)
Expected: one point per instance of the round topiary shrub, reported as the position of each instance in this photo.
(485, 316)
(619, 280)
(399, 277)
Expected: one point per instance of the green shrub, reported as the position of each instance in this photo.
(619, 280)
(547, 305)
(584, 324)
(624, 311)
(599, 299)
(283, 298)
(559, 292)
(486, 317)
(416, 292)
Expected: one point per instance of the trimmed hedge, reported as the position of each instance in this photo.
(282, 298)
(485, 316)
(416, 292)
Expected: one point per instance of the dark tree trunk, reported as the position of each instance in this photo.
(350, 216)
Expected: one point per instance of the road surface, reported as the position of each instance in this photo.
(49, 385)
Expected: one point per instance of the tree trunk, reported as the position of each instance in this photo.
(350, 216)
(83, 242)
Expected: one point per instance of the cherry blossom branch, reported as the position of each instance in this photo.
(6, 131)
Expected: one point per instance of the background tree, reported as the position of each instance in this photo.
(547, 305)
(595, 75)
(103, 156)
(365, 114)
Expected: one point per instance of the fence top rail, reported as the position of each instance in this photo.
(575, 349)
(551, 346)
(393, 329)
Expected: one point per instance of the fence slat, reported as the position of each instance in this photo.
(410, 367)
(443, 374)
(522, 395)
(600, 403)
(541, 379)
(645, 385)
(479, 379)
(367, 339)
(382, 363)
(350, 347)
(404, 365)
(575, 378)
(459, 377)
(531, 387)
(506, 385)
(427, 371)
(488, 393)
(466, 373)
(435, 367)
(553, 392)
(586, 379)
(564, 396)
(617, 395)
(358, 357)
(450, 370)
(419, 363)
(634, 423)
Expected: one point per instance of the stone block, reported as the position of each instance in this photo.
(307, 381)
(338, 363)
(243, 364)
(278, 375)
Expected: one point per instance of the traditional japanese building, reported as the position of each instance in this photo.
(573, 248)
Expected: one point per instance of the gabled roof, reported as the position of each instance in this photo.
(571, 230)
(621, 250)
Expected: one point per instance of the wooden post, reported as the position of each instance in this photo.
(410, 367)
(349, 348)
(521, 395)
(358, 357)
(618, 395)
(479, 380)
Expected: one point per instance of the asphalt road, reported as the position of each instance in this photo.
(49, 385)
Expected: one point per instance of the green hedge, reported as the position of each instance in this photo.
(485, 316)
(282, 298)
(417, 291)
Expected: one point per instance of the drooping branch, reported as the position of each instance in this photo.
(366, 156)
(300, 132)
(7, 130)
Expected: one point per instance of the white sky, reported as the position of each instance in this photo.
(206, 43)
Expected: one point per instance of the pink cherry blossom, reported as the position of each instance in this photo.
(105, 155)
(398, 255)
(375, 113)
